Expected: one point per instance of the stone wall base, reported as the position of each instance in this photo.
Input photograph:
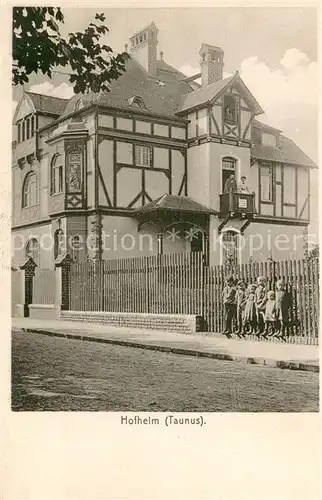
(168, 322)
(19, 311)
(44, 311)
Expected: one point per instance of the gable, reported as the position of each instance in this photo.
(238, 88)
(212, 93)
(24, 108)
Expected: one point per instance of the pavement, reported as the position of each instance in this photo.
(270, 354)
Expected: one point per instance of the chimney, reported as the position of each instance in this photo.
(144, 47)
(211, 64)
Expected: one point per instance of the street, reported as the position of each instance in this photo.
(54, 374)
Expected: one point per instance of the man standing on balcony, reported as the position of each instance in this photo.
(243, 189)
(230, 184)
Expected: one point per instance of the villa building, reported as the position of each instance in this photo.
(142, 169)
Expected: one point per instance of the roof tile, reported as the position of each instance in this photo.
(48, 104)
(174, 203)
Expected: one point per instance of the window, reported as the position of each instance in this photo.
(56, 175)
(136, 101)
(32, 250)
(27, 128)
(32, 126)
(29, 190)
(269, 140)
(143, 156)
(59, 243)
(230, 108)
(23, 131)
(266, 183)
(228, 163)
(19, 131)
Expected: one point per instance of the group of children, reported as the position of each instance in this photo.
(255, 309)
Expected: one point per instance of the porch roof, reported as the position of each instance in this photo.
(174, 203)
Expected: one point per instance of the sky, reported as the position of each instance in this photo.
(274, 49)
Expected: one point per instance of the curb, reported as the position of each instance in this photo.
(269, 363)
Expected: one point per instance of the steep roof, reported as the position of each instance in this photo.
(203, 95)
(286, 152)
(47, 104)
(168, 202)
(209, 93)
(160, 97)
(160, 94)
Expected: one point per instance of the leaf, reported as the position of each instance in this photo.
(100, 17)
(39, 47)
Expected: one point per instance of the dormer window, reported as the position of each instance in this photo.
(136, 101)
(231, 109)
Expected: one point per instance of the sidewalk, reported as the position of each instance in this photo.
(278, 355)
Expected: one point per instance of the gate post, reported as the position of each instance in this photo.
(62, 293)
(26, 287)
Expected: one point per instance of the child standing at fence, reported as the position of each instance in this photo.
(250, 317)
(241, 304)
(283, 304)
(260, 303)
(270, 315)
(229, 300)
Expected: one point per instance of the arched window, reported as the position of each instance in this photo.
(29, 190)
(56, 174)
(59, 243)
(32, 250)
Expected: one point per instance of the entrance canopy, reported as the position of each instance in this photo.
(170, 208)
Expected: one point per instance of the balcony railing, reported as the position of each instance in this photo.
(238, 203)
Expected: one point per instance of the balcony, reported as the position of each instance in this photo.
(237, 204)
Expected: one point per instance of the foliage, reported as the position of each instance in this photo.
(315, 252)
(39, 47)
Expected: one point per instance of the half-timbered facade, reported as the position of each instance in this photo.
(141, 169)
